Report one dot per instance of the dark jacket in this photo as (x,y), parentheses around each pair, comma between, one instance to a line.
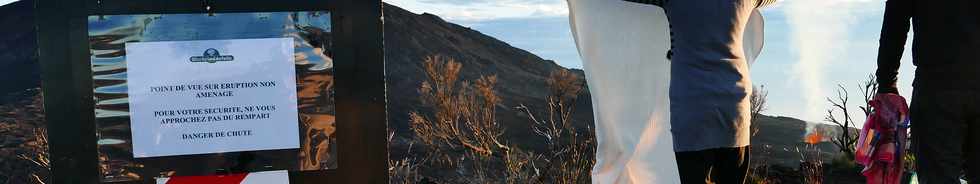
(945,46)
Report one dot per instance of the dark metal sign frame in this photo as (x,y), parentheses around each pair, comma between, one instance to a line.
(359,67)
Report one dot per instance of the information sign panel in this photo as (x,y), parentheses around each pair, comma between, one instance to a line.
(117,114)
(212,96)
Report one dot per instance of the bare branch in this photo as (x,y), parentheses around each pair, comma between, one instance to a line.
(845,140)
(757,103)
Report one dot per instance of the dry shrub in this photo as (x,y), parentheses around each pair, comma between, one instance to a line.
(757,105)
(38,155)
(521,167)
(23,139)
(570,155)
(759,171)
(811,164)
(402,171)
(463,141)
(462,119)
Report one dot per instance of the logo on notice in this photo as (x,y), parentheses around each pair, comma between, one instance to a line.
(211,56)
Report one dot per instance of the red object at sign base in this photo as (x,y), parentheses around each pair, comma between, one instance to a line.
(268,177)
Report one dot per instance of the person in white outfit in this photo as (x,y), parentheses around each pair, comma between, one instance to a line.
(708,79)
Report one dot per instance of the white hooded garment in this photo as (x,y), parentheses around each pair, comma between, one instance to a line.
(623,47)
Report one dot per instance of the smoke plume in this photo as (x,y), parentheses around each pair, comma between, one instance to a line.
(819,36)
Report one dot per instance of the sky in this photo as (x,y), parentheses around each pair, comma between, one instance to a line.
(811,46)
(4,2)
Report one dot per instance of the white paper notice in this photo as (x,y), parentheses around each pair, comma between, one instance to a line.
(198,97)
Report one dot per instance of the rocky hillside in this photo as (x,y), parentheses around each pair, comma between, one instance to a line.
(779,138)
(18,61)
(410,37)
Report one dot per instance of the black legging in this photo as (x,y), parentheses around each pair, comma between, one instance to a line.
(718,165)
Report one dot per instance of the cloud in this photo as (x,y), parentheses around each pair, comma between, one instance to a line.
(483,10)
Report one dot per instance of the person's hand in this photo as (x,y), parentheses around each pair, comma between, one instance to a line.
(890,103)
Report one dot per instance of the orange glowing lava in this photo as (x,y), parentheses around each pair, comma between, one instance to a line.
(813,138)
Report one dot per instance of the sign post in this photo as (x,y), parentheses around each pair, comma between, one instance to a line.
(170,91)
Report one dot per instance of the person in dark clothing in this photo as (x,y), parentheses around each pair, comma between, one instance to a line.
(945,107)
